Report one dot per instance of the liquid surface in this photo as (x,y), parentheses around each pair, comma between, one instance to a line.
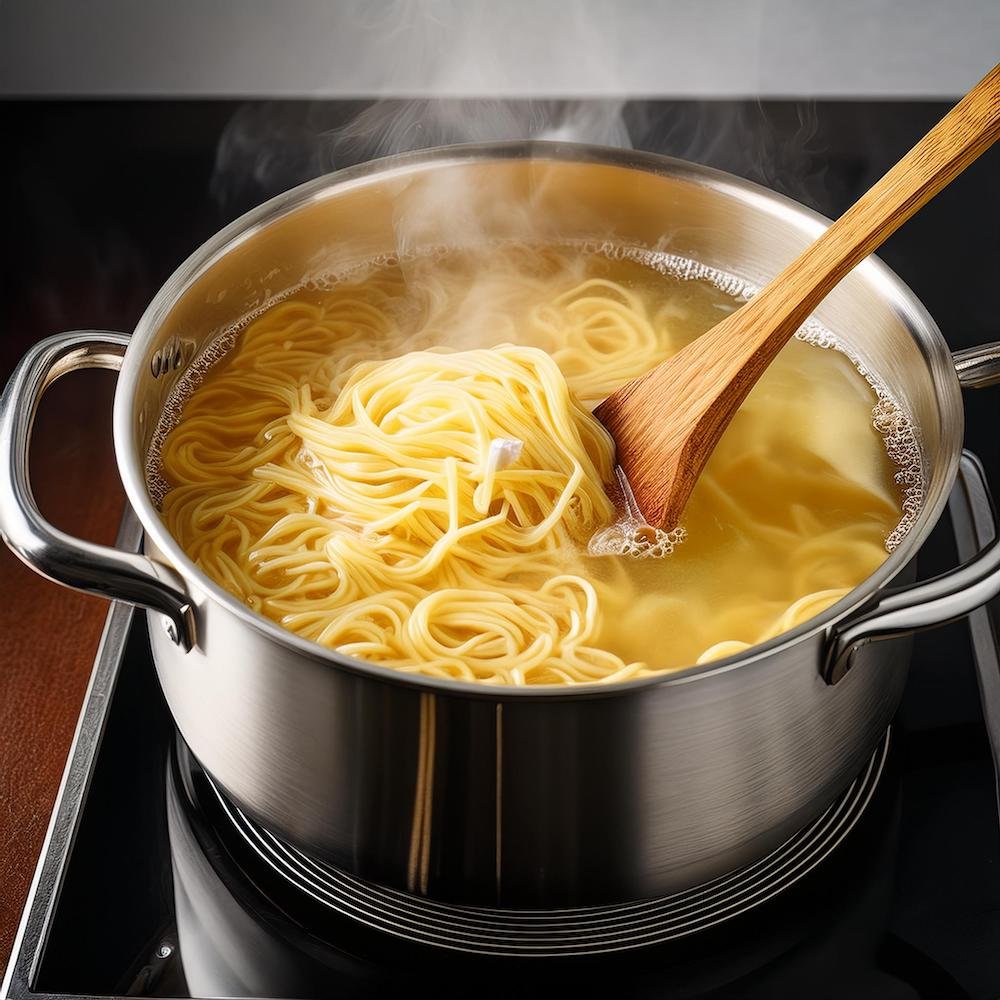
(795,507)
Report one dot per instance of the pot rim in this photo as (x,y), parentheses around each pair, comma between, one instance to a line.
(885,281)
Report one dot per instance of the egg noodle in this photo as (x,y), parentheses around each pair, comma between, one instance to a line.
(431,509)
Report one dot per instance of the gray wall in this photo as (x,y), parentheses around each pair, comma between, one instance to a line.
(291,48)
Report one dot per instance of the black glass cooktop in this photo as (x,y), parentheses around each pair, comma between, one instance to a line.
(146,888)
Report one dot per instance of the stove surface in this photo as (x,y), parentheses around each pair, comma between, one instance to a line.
(144,889)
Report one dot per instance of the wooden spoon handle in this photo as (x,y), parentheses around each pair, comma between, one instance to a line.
(970,128)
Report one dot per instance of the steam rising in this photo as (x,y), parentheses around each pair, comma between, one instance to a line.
(399,126)
(269,147)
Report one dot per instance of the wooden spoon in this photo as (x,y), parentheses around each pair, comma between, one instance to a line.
(667,422)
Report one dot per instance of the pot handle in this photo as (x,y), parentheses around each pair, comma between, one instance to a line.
(978,367)
(96,569)
(944,598)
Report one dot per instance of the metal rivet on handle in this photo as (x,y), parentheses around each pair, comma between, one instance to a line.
(171,629)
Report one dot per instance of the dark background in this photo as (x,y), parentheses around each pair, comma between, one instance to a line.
(105,199)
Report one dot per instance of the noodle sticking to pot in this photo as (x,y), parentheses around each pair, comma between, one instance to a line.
(346,471)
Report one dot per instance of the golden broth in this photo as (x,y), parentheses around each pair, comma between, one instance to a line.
(793,510)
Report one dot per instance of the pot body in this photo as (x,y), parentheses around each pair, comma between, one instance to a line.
(527,802)
(539,798)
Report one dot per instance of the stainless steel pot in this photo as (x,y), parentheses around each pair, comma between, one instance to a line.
(517,797)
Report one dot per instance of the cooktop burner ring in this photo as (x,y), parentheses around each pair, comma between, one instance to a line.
(567,932)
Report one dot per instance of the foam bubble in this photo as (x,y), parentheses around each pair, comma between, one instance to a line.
(631,535)
(899,433)
(213,352)
(901,442)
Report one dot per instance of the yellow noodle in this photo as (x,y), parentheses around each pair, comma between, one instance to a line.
(346,473)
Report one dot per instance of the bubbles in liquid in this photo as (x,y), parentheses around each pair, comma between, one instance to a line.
(898,432)
(900,436)
(674,266)
(630,535)
(190,379)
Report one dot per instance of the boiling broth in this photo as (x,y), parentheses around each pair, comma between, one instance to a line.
(800,502)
